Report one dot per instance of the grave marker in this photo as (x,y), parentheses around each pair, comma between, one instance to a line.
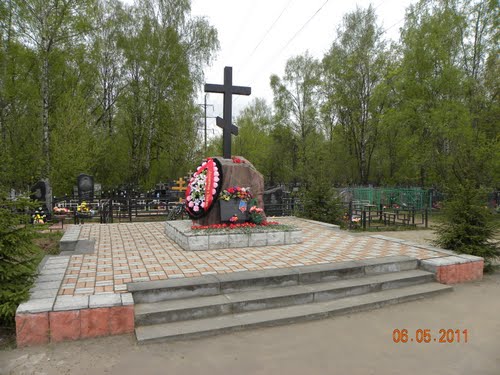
(181,187)
(226,123)
(42,192)
(85,184)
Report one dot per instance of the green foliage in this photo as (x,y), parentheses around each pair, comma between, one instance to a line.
(320,200)
(468,226)
(295,99)
(322,205)
(353,69)
(18,260)
(99,87)
(113,88)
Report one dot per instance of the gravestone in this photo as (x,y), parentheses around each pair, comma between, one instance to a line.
(85,184)
(179,189)
(42,192)
(241,174)
(161,190)
(273,200)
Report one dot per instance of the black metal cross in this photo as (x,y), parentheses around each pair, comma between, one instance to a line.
(226,123)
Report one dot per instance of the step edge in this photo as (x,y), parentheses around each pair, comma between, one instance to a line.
(302,289)
(299,318)
(234,277)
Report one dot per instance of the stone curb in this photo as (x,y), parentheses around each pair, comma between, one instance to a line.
(176,231)
(331,226)
(70,238)
(450,267)
(44,293)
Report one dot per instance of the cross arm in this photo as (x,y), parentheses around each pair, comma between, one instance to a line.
(220,123)
(210,87)
(241,90)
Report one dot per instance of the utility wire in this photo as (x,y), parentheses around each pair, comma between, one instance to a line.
(270,28)
(295,35)
(334,40)
(303,26)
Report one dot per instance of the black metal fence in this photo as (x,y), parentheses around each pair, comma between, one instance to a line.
(120,209)
(358,214)
(363,215)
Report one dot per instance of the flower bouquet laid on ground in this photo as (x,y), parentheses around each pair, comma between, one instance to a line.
(61,210)
(39,217)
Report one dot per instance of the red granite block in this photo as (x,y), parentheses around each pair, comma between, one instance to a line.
(448,274)
(468,270)
(477,270)
(95,322)
(121,320)
(64,325)
(459,272)
(32,329)
(453,274)
(441,273)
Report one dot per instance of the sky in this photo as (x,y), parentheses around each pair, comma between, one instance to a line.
(257,37)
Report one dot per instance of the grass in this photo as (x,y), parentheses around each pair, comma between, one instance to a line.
(47,242)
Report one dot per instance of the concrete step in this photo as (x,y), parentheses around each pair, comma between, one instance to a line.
(284,315)
(162,290)
(251,300)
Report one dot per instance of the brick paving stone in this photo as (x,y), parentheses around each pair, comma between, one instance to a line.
(127,252)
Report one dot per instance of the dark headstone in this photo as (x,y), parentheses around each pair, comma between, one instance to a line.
(85,185)
(274,196)
(274,200)
(42,192)
(39,191)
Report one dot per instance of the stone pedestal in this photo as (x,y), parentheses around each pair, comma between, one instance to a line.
(241,174)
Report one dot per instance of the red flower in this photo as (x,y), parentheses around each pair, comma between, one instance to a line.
(234,225)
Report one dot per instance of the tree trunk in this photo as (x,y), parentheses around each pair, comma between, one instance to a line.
(45,115)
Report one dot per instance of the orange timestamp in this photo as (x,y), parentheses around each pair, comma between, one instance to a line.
(426,336)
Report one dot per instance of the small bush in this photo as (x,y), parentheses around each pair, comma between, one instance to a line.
(321,203)
(18,260)
(468,226)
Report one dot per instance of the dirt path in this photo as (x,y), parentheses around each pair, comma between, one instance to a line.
(359,343)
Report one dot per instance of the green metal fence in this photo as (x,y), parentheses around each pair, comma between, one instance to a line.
(416,198)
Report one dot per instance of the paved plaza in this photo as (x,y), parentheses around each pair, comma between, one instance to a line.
(135,252)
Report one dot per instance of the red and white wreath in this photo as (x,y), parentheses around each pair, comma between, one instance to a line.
(203,188)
